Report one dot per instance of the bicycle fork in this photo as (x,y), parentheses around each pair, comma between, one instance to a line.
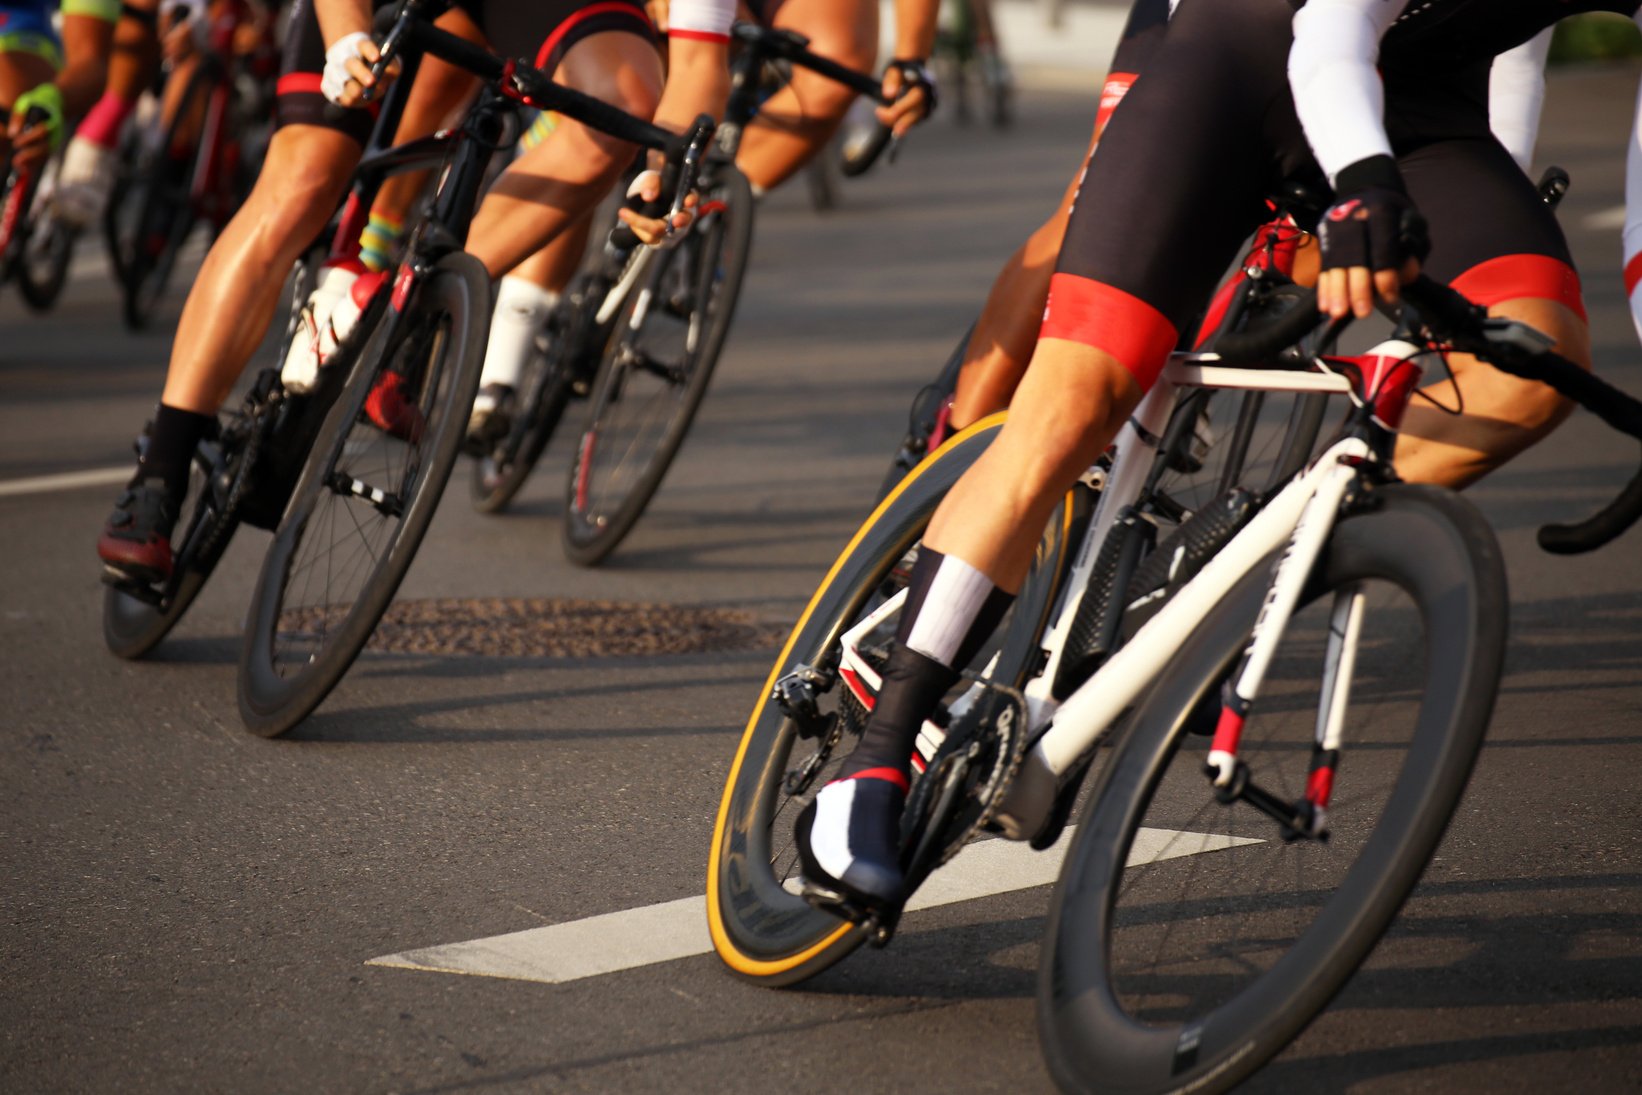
(1230,776)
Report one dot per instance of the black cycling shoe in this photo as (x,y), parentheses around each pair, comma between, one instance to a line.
(848,841)
(136,539)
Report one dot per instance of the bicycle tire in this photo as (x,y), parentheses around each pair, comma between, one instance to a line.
(498,475)
(167,215)
(448,316)
(115,242)
(1441,554)
(133,627)
(41,277)
(926,405)
(601,509)
(761,931)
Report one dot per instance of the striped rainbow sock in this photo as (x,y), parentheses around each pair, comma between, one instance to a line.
(378,240)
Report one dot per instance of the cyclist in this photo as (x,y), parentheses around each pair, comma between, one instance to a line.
(91,160)
(1386,102)
(87,175)
(791,128)
(605,48)
(59,77)
(1007,329)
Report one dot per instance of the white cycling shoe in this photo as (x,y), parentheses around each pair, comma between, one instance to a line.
(85,182)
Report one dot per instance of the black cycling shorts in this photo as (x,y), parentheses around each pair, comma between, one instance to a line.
(1184,170)
(543,30)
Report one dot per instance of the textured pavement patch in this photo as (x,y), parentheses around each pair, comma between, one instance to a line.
(556,627)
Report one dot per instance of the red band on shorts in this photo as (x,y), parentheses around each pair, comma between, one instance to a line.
(1511,277)
(297,83)
(609,7)
(1116,87)
(1633,273)
(1112,321)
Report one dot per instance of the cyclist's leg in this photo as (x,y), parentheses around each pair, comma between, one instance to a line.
(441,90)
(1172,211)
(1002,342)
(523,300)
(554,185)
(88,172)
(30,55)
(798,121)
(1497,242)
(310,159)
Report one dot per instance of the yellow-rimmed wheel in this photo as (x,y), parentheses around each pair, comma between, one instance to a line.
(761,927)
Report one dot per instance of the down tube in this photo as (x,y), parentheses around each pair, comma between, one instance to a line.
(1087,713)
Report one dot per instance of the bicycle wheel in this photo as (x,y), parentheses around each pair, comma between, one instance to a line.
(42,268)
(133,625)
(1221,940)
(500,472)
(165,210)
(923,415)
(364,498)
(655,371)
(760,927)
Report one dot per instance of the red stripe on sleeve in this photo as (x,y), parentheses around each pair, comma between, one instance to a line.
(1633,273)
(698,36)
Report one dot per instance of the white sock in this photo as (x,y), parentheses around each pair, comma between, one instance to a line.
(521,308)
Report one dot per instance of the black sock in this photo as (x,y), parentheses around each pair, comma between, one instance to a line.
(170,450)
(913,681)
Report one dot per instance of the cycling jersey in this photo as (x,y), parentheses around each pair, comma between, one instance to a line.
(542,29)
(1214,128)
(25,25)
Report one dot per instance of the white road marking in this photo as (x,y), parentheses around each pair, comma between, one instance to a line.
(1606,220)
(678,929)
(43,484)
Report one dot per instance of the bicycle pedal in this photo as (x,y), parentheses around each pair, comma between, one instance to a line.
(132,587)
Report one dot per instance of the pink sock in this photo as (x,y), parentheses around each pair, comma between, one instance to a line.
(102,123)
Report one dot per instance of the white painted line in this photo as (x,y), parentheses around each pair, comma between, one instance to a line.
(44,484)
(678,929)
(1606,220)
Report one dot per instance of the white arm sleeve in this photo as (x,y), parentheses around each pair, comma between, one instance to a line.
(1337,90)
(1516,92)
(701,18)
(1633,213)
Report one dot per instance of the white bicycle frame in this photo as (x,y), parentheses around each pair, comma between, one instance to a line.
(1298,520)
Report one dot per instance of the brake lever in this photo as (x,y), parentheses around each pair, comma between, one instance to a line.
(1515,335)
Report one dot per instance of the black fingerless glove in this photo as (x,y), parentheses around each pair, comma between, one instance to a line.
(1372,222)
(915,72)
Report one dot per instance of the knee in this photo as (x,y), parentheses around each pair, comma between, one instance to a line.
(822,101)
(294,197)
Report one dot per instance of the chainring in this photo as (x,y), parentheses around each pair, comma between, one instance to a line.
(965,779)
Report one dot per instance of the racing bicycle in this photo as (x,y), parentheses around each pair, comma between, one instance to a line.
(1292,674)
(348,475)
(640,332)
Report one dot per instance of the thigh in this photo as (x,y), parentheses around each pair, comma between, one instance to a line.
(297,98)
(552,28)
(1492,237)
(30,51)
(1182,170)
(842,30)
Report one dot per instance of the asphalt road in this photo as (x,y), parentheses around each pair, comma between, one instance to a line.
(188,907)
